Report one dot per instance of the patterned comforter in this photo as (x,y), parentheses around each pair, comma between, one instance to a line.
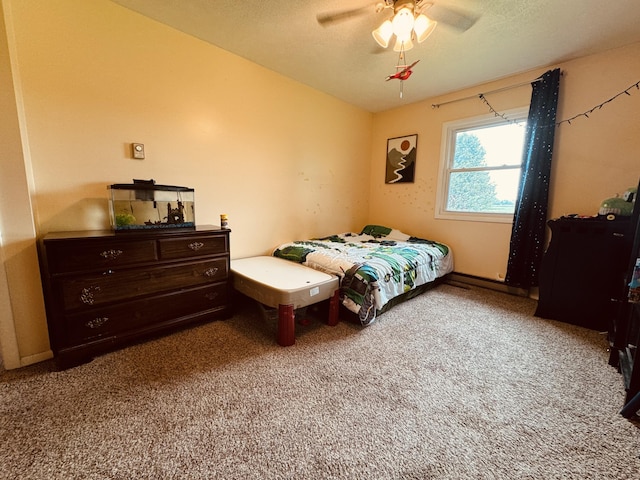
(375,265)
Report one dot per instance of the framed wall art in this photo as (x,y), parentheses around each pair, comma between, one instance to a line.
(401,159)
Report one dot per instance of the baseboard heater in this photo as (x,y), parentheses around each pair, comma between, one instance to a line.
(456,279)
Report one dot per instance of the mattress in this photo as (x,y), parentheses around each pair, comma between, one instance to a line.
(375,265)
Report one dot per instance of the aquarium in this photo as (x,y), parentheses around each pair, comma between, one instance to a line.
(144,205)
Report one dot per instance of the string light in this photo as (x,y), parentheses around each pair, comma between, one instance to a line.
(497,114)
(568,120)
(598,107)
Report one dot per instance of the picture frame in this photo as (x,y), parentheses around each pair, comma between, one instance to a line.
(401,159)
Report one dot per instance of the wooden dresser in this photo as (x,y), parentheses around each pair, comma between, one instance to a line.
(104,290)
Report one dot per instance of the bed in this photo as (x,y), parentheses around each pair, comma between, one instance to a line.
(378,267)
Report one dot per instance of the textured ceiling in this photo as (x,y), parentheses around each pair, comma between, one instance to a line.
(343,60)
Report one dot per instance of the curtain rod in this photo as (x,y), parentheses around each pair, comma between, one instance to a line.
(517,85)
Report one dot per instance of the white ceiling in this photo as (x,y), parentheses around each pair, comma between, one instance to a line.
(343,60)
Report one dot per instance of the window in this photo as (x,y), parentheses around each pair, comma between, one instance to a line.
(480,167)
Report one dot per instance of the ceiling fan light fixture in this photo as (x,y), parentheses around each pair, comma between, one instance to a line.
(403,22)
(423,26)
(383,33)
(403,45)
(406,25)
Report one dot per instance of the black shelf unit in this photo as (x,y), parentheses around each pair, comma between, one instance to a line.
(624,335)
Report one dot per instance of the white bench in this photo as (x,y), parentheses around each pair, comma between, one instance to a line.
(285,285)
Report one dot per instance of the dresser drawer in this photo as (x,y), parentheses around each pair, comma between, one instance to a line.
(117,285)
(85,255)
(186,247)
(149,312)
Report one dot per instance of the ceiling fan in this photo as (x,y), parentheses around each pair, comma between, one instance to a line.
(411,20)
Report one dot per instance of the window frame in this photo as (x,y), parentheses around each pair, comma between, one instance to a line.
(447,152)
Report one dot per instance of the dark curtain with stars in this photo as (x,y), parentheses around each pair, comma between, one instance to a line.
(527,234)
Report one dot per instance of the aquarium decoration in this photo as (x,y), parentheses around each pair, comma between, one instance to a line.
(143,205)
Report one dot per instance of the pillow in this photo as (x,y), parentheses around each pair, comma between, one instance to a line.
(376,231)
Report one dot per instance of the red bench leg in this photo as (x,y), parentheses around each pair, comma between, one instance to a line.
(286,325)
(334,308)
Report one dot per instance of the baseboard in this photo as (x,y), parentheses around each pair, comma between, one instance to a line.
(465,279)
(37,358)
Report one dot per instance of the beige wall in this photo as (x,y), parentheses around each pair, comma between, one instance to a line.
(26,341)
(97,76)
(594,158)
(282,160)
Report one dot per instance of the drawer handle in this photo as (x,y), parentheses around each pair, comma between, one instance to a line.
(111,254)
(195,246)
(211,295)
(210,272)
(97,322)
(87,297)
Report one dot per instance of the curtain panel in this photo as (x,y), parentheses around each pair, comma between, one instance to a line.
(528,231)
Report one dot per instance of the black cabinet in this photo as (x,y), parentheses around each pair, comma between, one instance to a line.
(582,271)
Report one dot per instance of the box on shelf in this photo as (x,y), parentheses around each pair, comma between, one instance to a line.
(143,205)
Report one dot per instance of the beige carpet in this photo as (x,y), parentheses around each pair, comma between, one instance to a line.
(455,384)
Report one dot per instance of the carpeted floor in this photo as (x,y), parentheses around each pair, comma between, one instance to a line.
(454,384)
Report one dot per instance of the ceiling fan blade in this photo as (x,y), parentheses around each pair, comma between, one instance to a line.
(326,19)
(453,17)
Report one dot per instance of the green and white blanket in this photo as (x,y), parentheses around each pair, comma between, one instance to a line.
(374,266)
